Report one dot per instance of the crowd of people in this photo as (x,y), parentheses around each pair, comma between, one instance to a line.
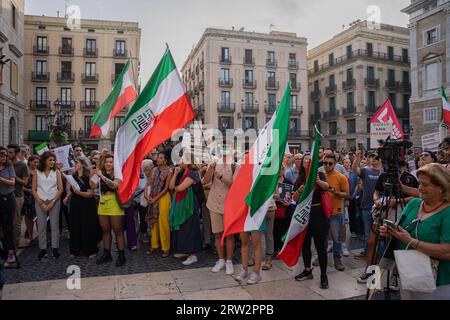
(179,208)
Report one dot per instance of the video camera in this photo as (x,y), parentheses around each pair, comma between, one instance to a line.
(391,153)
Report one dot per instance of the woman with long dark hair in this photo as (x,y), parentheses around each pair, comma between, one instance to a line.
(83,212)
(28,209)
(47,188)
(110,214)
(318,225)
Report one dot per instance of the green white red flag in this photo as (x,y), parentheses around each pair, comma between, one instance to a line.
(162,108)
(122,94)
(445,116)
(250,195)
(293,242)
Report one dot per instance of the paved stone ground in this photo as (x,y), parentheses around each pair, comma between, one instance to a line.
(137,262)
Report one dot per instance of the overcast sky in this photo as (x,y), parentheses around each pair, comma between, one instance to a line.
(182,22)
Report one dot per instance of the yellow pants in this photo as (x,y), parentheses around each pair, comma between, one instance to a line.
(161,230)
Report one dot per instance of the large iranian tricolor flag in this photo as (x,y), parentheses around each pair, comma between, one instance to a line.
(122,94)
(445,115)
(162,108)
(295,236)
(250,195)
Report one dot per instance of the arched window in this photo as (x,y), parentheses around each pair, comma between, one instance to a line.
(12,131)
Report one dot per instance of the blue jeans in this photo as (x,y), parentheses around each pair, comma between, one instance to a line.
(336,223)
(367,219)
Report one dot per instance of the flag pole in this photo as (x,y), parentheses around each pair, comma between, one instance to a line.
(132,68)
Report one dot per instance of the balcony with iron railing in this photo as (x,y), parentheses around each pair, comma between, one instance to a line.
(66,77)
(249,62)
(297,133)
(349,111)
(66,51)
(197,69)
(201,85)
(41,50)
(120,54)
(361,54)
(296,110)
(40,76)
(250,107)
(315,94)
(349,84)
(404,87)
(89,78)
(202,64)
(372,83)
(391,85)
(295,86)
(40,105)
(89,105)
(315,117)
(293,64)
(402,112)
(112,135)
(90,52)
(270,109)
(226,107)
(271,63)
(38,135)
(272,85)
(226,83)
(332,114)
(225,59)
(66,105)
(249,84)
(331,89)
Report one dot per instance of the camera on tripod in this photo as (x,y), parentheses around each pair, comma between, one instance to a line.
(391,154)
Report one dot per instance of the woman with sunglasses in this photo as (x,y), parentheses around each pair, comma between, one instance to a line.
(425,226)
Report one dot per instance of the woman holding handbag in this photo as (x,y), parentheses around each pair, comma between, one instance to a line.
(318,224)
(424,225)
(111,215)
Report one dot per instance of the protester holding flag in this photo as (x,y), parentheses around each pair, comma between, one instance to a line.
(221,176)
(83,212)
(47,188)
(318,225)
(185,213)
(111,215)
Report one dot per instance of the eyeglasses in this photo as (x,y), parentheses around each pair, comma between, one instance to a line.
(328,163)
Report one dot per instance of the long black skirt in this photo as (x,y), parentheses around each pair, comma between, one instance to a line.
(84,227)
(188,239)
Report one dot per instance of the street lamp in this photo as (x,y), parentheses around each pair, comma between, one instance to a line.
(58,123)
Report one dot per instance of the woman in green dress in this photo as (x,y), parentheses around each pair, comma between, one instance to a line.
(425,226)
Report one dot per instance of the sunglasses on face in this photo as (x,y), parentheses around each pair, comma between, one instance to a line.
(328,163)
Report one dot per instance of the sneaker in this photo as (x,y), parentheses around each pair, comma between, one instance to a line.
(42,255)
(394,283)
(345,251)
(361,256)
(229,268)
(254,278)
(363,277)
(330,247)
(190,260)
(220,265)
(55,253)
(180,255)
(354,235)
(338,265)
(305,275)
(323,281)
(316,262)
(134,248)
(241,275)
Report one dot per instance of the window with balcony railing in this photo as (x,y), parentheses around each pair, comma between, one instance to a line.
(351,126)
(332,128)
